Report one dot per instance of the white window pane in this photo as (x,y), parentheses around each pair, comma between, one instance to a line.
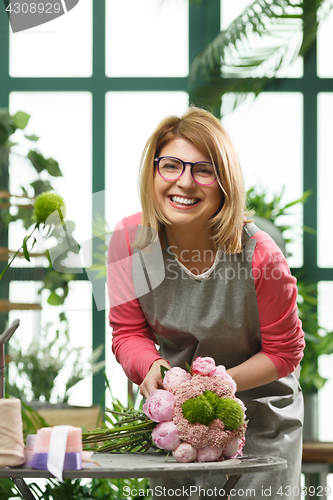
(62,47)
(40,326)
(267,133)
(230,10)
(146,38)
(131,118)
(325,177)
(324,48)
(63,123)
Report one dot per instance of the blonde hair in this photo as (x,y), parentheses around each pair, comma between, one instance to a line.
(205,131)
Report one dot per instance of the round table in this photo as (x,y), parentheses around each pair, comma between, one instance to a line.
(130,465)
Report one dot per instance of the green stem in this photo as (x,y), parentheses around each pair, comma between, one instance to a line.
(149,425)
(15,255)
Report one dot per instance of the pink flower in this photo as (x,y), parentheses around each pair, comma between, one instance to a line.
(165,435)
(222,373)
(203,366)
(174,377)
(209,454)
(159,407)
(230,451)
(184,453)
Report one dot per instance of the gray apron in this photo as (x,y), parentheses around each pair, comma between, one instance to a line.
(218,317)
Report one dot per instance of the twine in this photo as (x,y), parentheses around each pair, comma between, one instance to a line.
(11,433)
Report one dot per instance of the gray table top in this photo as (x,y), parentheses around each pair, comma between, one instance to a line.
(130,465)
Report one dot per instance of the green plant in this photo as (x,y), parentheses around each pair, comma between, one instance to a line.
(20,158)
(52,356)
(243,58)
(45,206)
(75,489)
(318,340)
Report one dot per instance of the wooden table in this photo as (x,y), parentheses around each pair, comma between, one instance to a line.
(130,465)
(317,463)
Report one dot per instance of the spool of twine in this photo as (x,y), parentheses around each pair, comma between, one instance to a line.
(11,433)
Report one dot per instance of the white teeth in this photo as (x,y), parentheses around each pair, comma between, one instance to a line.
(184,201)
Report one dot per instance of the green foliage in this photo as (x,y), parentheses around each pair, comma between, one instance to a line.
(125,429)
(272,209)
(8,489)
(47,359)
(31,420)
(319,341)
(75,489)
(9,124)
(265,38)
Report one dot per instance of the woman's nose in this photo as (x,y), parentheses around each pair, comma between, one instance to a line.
(186,180)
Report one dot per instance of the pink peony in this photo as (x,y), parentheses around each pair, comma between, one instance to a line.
(159,407)
(174,377)
(222,373)
(242,405)
(165,435)
(203,366)
(231,450)
(184,453)
(209,454)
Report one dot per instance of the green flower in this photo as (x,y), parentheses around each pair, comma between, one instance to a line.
(231,413)
(49,204)
(201,409)
(208,406)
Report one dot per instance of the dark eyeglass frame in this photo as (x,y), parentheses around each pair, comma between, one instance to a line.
(158,159)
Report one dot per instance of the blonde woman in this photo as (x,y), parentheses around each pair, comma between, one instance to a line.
(227,290)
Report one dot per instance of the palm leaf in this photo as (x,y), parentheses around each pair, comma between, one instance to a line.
(268,36)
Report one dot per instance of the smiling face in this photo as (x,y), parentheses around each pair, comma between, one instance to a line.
(183,201)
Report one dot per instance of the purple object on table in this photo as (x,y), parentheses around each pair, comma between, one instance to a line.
(73,461)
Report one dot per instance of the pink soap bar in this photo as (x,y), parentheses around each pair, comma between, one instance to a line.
(74,440)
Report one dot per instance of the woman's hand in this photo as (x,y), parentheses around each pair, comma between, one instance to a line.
(153,379)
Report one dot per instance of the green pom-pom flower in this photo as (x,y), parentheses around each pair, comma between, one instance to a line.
(202,409)
(231,413)
(208,406)
(49,204)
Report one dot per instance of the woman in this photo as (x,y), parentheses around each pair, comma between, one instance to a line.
(227,291)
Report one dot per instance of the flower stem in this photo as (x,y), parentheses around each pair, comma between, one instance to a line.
(15,255)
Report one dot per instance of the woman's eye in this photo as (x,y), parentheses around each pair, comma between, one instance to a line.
(171,166)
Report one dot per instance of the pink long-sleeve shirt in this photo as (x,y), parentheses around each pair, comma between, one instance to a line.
(282,338)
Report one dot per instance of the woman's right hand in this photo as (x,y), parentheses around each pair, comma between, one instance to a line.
(153,379)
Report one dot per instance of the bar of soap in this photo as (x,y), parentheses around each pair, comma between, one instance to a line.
(73,445)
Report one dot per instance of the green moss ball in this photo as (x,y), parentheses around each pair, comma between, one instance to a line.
(231,413)
(202,409)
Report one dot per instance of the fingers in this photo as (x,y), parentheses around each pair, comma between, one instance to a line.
(153,380)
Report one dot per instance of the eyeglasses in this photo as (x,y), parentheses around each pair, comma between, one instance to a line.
(171,168)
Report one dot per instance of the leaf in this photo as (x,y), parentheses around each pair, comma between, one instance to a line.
(264,38)
(25,249)
(41,186)
(188,367)
(32,138)
(54,299)
(21,119)
(164,369)
(52,167)
(38,161)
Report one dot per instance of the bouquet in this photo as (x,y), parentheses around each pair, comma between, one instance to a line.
(196,416)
